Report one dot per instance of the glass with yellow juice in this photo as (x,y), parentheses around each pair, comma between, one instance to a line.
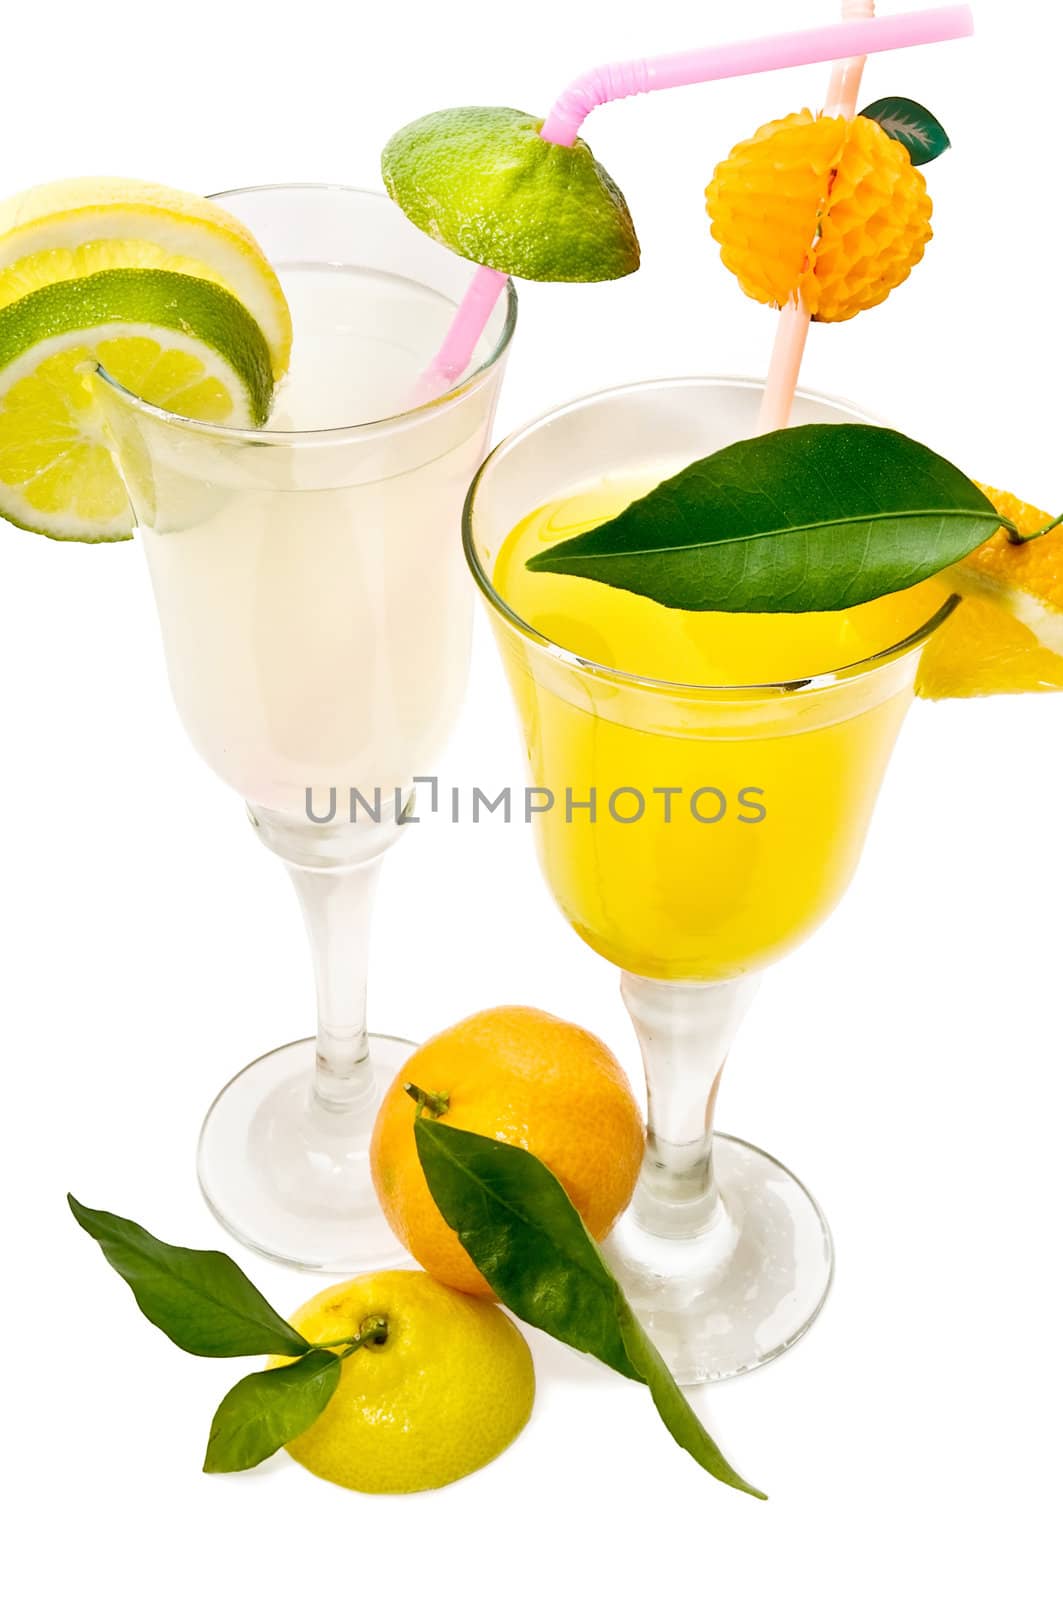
(696,834)
(702,783)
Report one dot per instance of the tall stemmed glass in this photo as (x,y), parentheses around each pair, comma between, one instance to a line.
(315,615)
(723,1253)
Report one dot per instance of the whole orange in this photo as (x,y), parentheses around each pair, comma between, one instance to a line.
(529,1079)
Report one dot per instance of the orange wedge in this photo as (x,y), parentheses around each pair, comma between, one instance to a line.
(1007,636)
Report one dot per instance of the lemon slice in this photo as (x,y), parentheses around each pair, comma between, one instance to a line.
(179,342)
(81,226)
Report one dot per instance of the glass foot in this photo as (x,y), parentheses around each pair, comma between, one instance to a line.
(742,1291)
(289,1176)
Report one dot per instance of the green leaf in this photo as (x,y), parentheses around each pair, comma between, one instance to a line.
(522,1231)
(480,180)
(676,1413)
(910,124)
(526,1237)
(267,1409)
(199,1298)
(816,518)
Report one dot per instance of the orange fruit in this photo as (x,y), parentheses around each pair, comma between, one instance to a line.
(1007,636)
(824,208)
(529,1079)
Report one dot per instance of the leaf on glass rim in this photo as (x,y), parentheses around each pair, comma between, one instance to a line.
(910,124)
(199,1298)
(816,518)
(523,1232)
(267,1409)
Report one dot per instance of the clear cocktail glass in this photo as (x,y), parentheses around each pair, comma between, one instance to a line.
(315,615)
(728,819)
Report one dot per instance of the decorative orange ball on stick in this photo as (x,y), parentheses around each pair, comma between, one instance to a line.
(825,209)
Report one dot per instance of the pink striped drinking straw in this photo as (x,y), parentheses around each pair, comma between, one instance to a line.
(837,41)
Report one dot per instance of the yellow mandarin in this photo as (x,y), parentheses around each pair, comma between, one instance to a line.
(448,1389)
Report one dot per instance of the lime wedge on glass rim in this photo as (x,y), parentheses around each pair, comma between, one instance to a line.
(481,181)
(177,341)
(75,227)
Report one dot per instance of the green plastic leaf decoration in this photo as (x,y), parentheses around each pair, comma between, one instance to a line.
(199,1298)
(816,518)
(912,125)
(481,181)
(522,1231)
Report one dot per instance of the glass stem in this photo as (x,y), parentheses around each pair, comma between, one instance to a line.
(337,907)
(334,869)
(685,1031)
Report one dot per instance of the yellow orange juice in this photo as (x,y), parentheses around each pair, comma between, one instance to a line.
(691,828)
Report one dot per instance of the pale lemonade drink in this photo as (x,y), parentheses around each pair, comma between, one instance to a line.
(319,638)
(787,778)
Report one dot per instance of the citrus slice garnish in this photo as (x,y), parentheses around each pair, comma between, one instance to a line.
(823,208)
(179,342)
(80,226)
(1007,636)
(481,181)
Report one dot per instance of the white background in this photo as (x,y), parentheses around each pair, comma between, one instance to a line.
(906,1062)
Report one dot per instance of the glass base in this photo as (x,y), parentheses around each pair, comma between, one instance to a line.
(745,1289)
(289,1176)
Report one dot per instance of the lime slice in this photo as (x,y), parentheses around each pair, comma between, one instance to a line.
(176,341)
(82,226)
(481,181)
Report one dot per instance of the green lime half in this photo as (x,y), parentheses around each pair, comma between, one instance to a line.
(179,342)
(481,181)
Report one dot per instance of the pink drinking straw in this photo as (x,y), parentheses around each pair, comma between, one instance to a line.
(795,319)
(839,41)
